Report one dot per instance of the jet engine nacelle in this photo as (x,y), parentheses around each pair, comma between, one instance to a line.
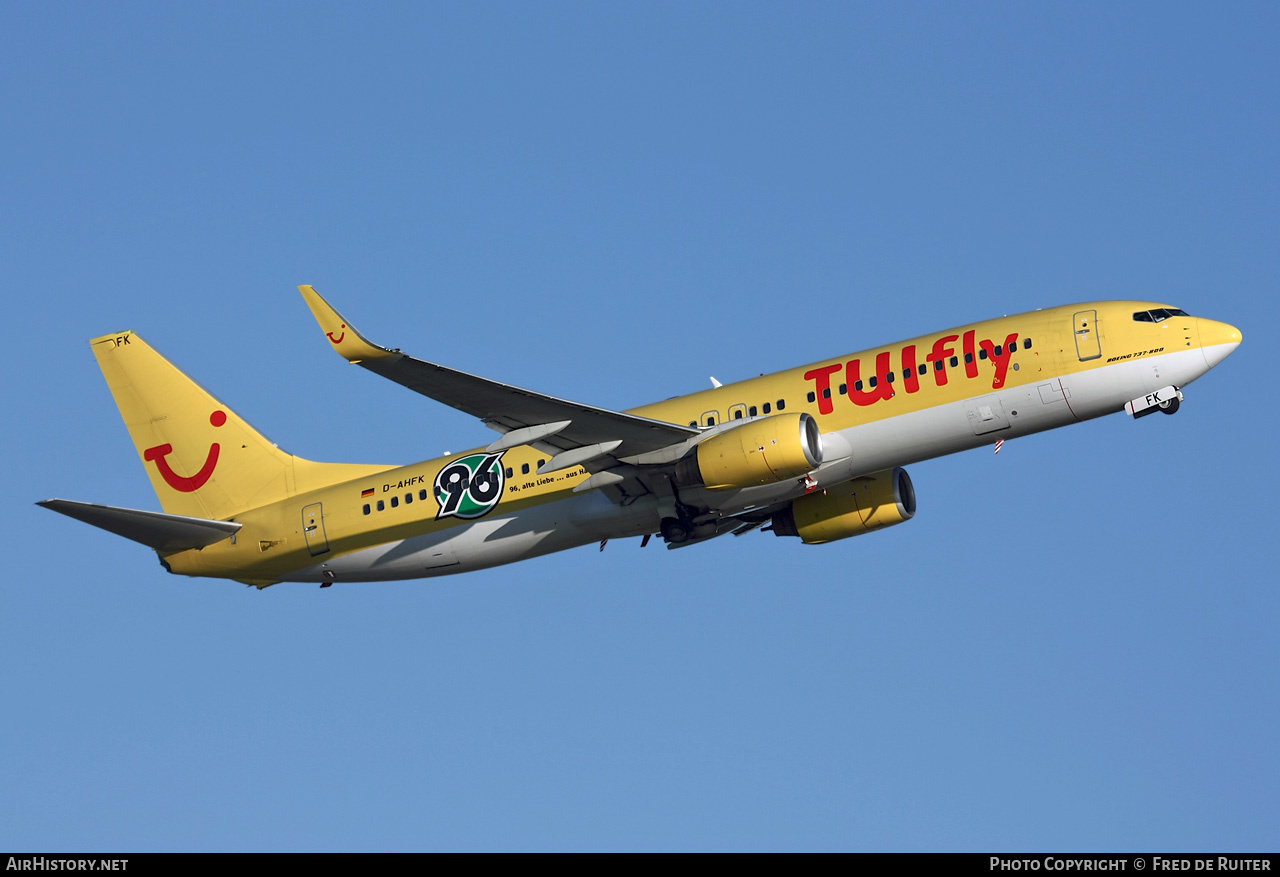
(852,508)
(763,451)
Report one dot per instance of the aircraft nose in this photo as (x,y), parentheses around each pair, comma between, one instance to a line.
(1218,341)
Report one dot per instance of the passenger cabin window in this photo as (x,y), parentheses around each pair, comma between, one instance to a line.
(524,468)
(767,408)
(844,389)
(782,403)
(1026,343)
(408,498)
(737,415)
(395,501)
(366,508)
(811,396)
(381,505)
(422,494)
(510,473)
(751,412)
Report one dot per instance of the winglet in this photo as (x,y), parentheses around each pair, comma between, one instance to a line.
(353,346)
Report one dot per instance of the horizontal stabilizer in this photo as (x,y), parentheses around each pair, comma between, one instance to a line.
(165,533)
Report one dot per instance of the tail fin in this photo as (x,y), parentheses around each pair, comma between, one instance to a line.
(203,459)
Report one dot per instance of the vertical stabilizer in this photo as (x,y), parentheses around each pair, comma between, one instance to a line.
(202,458)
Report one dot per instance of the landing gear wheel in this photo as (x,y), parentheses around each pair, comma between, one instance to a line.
(1170,406)
(675,530)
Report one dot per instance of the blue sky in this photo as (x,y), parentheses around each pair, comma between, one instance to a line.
(1071,647)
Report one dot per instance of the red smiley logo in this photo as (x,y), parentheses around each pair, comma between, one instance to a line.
(338,340)
(186,484)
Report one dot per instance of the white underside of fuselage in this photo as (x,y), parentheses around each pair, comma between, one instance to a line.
(859,450)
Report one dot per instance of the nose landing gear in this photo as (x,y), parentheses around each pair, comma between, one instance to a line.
(1166,399)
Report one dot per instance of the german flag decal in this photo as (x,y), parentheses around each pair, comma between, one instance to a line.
(366,492)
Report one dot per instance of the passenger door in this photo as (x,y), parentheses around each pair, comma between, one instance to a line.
(1088,342)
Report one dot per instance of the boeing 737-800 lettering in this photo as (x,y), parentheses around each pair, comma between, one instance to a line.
(814,452)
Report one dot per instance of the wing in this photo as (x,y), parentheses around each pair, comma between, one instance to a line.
(574,433)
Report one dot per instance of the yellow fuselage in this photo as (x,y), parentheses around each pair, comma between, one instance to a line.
(1045,361)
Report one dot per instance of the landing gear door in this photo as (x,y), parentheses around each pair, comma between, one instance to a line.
(1088,344)
(313,529)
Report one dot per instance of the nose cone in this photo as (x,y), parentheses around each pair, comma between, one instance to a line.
(1218,341)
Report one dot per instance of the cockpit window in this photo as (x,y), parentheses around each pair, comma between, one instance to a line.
(1159,315)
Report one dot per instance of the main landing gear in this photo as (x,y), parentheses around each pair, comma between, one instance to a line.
(1170,406)
(676,530)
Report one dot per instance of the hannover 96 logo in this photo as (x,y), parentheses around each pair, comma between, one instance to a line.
(470,486)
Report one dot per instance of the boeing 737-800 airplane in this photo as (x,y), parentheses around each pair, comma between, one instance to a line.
(814,452)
